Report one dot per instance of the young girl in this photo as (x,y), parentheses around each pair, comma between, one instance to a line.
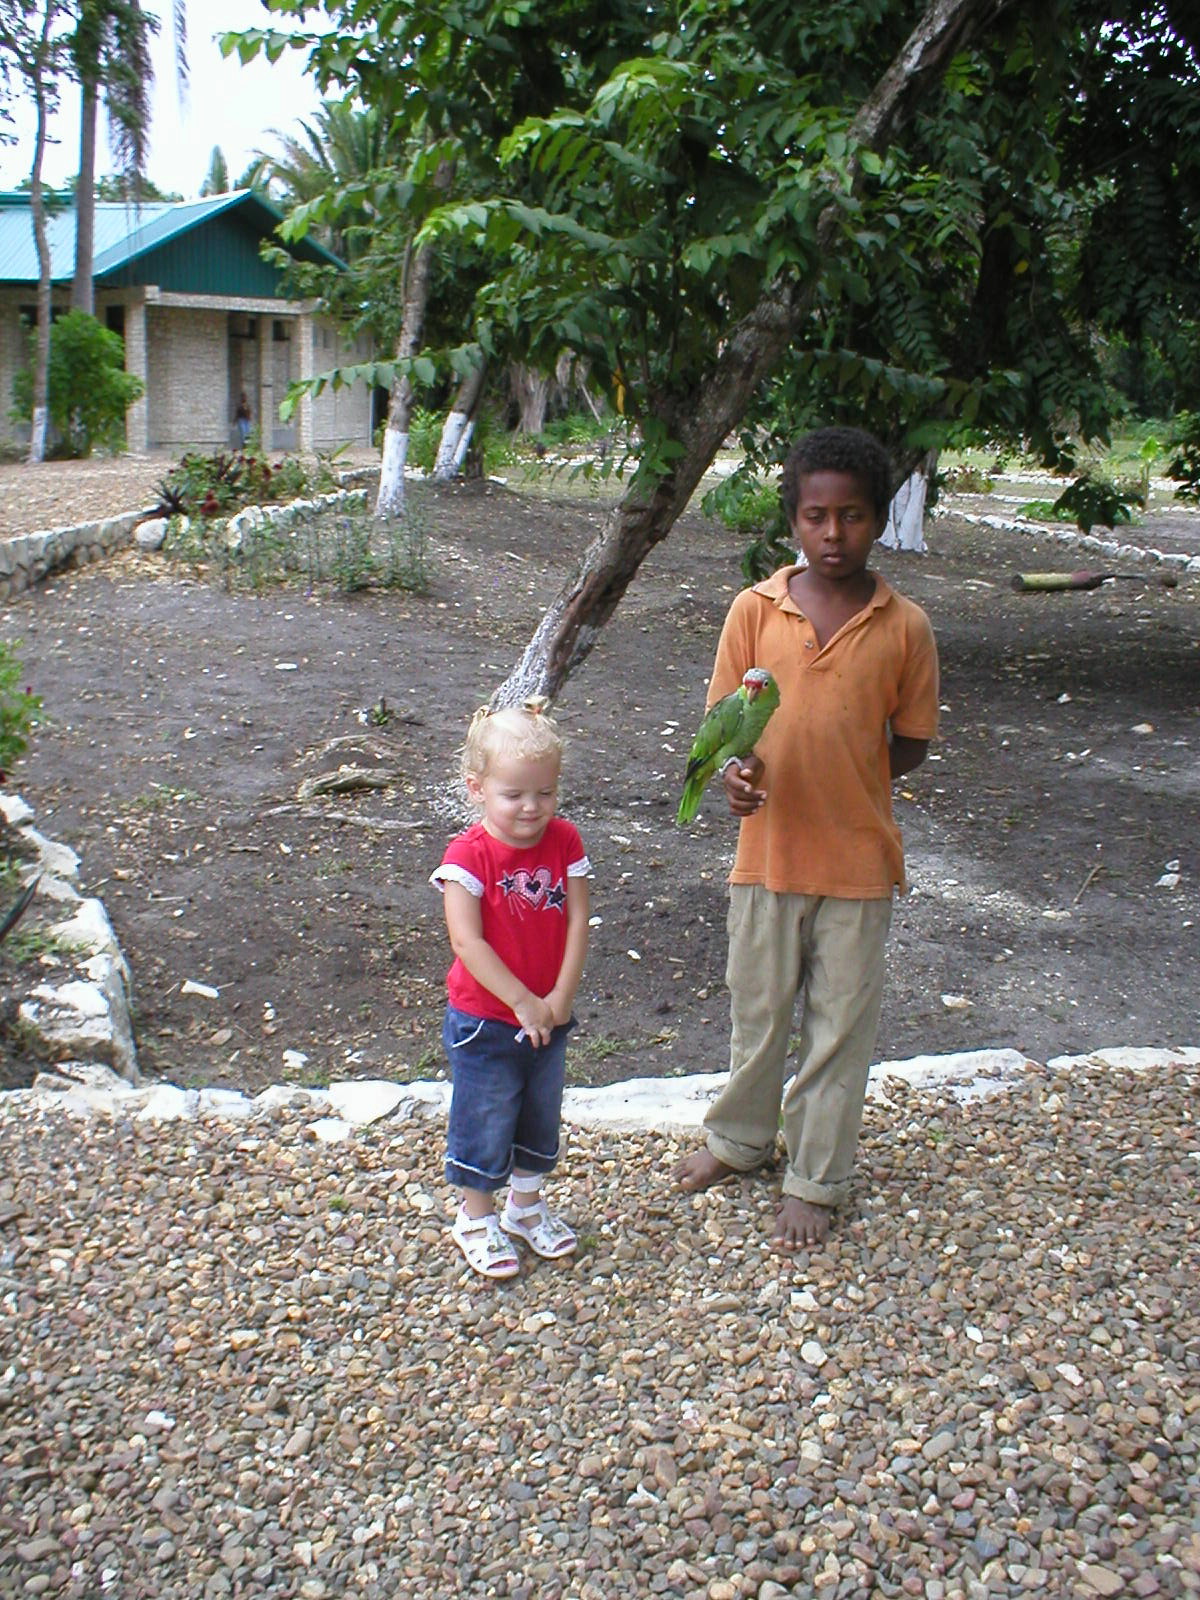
(515,891)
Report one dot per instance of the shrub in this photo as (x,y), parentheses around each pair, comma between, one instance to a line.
(1184,445)
(424,436)
(575,428)
(966,479)
(747,505)
(218,485)
(348,549)
(1091,500)
(20,709)
(89,389)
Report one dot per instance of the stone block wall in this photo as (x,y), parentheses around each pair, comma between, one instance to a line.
(341,416)
(187,358)
(27,559)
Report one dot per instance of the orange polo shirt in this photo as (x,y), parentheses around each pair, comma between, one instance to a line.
(826,827)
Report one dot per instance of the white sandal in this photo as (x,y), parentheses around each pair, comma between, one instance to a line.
(546,1234)
(484,1245)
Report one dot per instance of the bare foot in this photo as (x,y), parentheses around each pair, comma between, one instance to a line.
(701,1170)
(800,1224)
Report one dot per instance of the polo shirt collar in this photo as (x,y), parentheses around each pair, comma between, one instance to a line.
(775,589)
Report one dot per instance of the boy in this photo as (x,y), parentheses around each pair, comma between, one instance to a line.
(818,853)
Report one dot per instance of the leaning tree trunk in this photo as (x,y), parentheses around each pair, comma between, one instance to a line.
(460,424)
(699,422)
(82,291)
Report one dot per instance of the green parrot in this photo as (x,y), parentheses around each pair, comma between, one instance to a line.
(730,728)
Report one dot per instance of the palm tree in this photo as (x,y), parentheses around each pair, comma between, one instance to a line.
(341,145)
(110,49)
(217,181)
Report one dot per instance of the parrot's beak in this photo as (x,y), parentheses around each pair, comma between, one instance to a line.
(753,690)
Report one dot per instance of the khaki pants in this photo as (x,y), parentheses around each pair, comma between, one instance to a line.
(830,953)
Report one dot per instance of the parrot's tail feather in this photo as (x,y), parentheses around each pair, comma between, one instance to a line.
(690,803)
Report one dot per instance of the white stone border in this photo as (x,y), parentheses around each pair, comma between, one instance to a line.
(664,1105)
(85,1013)
(1116,548)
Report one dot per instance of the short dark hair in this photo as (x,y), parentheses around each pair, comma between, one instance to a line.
(850,450)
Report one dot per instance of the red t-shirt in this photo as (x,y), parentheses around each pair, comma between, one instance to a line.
(522,896)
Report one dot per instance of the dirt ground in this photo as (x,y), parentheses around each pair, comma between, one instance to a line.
(186,719)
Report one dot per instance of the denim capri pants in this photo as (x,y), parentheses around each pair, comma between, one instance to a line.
(506,1105)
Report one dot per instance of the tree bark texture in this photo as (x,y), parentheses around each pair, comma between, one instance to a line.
(531,391)
(83,296)
(41,363)
(700,422)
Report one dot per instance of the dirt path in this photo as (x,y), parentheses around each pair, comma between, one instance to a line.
(186,719)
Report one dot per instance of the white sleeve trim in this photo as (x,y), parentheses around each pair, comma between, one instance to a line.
(579,869)
(449,872)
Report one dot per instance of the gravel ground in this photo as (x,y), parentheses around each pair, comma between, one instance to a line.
(239,1362)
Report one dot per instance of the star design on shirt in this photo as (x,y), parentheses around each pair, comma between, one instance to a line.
(556,898)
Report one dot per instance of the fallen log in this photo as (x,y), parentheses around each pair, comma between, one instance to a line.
(1052,582)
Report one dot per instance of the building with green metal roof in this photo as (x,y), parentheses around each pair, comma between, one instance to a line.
(204,318)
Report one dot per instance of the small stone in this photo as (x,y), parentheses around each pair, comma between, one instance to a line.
(938,1446)
(1101,1580)
(42,1549)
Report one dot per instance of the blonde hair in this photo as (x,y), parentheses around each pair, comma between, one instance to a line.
(514,733)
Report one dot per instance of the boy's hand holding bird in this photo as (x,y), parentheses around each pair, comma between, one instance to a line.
(729,731)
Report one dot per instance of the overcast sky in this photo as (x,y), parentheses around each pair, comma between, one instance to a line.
(224,104)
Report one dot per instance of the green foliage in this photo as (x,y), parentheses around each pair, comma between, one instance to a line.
(90,391)
(217,181)
(966,479)
(1092,500)
(749,505)
(31,944)
(424,436)
(217,485)
(348,550)
(20,708)
(1184,445)
(636,183)
(574,428)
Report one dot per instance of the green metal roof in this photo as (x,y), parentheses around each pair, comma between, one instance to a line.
(194,246)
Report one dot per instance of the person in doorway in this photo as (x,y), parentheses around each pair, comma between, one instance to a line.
(243,420)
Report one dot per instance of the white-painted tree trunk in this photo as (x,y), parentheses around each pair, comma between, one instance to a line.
(464,444)
(38,429)
(453,429)
(459,424)
(391,472)
(389,502)
(906,515)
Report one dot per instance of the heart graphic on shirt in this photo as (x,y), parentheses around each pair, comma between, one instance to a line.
(531,886)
